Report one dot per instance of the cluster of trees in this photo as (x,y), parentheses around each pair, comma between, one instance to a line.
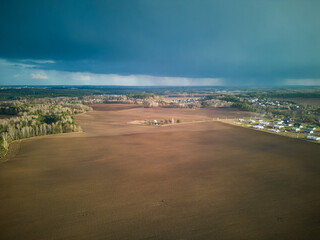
(311,92)
(36,120)
(99,99)
(193,105)
(16,93)
(230,98)
(220,101)
(145,99)
(243,106)
(142,96)
(315,93)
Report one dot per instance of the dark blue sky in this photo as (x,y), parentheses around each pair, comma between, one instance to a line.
(229,42)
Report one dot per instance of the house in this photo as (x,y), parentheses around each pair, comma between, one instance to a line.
(313,138)
(310,127)
(278,126)
(286,122)
(273,130)
(155,122)
(258,127)
(251,121)
(241,119)
(308,130)
(297,125)
(295,129)
(264,123)
(254,100)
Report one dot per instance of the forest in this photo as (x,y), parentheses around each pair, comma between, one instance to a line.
(30,118)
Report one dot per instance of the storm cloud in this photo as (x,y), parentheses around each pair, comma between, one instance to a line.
(247,42)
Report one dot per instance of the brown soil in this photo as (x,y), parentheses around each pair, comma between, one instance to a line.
(190,181)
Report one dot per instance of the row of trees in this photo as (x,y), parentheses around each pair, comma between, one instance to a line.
(243,106)
(37,120)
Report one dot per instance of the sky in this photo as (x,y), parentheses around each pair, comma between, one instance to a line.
(160,42)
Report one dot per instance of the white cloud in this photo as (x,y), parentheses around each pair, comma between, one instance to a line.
(125,80)
(303,82)
(26,73)
(39,61)
(81,76)
(39,76)
(143,80)
(15,65)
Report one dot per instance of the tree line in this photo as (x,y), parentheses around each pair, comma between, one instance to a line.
(37,119)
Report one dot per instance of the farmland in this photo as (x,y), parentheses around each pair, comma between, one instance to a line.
(159,120)
(202,180)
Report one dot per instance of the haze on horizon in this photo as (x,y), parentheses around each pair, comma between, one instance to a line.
(141,42)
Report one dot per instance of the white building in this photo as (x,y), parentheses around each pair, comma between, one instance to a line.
(295,129)
(313,138)
(273,130)
(310,127)
(308,130)
(258,127)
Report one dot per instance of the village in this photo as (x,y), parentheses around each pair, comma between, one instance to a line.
(275,103)
(287,127)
